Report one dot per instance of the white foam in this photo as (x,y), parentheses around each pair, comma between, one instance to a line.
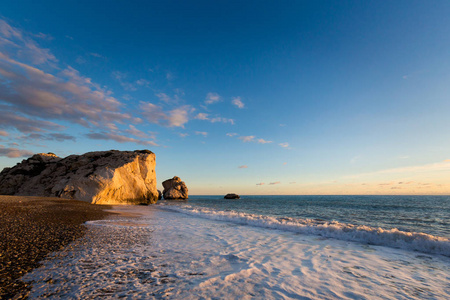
(395,238)
(179,256)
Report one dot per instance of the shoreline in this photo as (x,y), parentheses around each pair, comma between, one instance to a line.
(33,227)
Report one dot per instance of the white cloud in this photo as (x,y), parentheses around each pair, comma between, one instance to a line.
(173,118)
(231,134)
(246,139)
(262,141)
(243,167)
(183,135)
(212,98)
(238,102)
(284,145)
(201,116)
(136,132)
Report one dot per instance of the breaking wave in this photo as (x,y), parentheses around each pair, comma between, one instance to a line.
(394,238)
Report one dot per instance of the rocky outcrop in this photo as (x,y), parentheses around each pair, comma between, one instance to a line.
(105,177)
(175,189)
(232,196)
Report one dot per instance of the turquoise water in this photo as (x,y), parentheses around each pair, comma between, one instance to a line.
(426,214)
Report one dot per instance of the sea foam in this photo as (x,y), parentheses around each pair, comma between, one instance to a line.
(394,237)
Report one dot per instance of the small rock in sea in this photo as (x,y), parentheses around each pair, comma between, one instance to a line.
(175,189)
(232,196)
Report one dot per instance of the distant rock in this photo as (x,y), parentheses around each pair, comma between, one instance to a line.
(104,177)
(175,189)
(232,196)
(159,195)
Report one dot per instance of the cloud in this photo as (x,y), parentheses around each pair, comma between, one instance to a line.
(60,137)
(247,139)
(25,124)
(21,45)
(237,101)
(96,55)
(183,135)
(243,167)
(118,138)
(167,99)
(67,96)
(201,133)
(14,152)
(3,133)
(136,132)
(212,98)
(231,134)
(262,141)
(201,116)
(205,117)
(284,145)
(173,118)
(261,183)
(276,182)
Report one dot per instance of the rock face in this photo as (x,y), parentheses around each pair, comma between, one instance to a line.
(105,177)
(175,189)
(232,196)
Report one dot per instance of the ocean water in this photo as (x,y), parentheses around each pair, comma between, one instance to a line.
(290,247)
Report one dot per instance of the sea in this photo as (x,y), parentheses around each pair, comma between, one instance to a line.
(259,247)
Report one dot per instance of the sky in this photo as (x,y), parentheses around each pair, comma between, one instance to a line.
(247,97)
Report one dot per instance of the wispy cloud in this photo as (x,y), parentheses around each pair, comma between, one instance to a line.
(174,118)
(60,137)
(222,120)
(118,138)
(243,167)
(276,182)
(3,133)
(231,134)
(212,98)
(201,133)
(247,139)
(263,141)
(201,116)
(261,183)
(14,152)
(284,145)
(237,102)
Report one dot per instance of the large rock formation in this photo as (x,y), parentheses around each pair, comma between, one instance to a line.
(175,189)
(106,177)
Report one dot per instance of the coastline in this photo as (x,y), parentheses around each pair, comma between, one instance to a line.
(31,228)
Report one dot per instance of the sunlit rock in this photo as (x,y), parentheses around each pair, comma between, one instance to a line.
(175,189)
(105,177)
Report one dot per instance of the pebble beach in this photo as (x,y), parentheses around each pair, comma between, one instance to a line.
(33,227)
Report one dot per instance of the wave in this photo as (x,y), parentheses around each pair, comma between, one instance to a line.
(394,238)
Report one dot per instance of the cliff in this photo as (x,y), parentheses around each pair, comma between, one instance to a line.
(104,177)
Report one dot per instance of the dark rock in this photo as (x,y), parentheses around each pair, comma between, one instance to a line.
(232,196)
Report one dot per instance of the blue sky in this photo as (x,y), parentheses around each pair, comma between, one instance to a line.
(252,97)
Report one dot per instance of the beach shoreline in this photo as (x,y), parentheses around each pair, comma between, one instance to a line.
(33,227)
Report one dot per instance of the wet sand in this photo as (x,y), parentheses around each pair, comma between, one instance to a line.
(31,228)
